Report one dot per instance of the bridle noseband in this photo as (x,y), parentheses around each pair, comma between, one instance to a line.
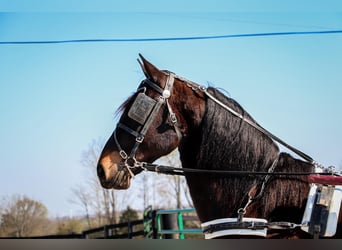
(144,110)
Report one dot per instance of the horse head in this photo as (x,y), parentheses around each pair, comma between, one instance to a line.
(152,124)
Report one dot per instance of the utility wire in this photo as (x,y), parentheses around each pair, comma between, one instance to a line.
(160,39)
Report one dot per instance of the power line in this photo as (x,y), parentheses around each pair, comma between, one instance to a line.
(161,39)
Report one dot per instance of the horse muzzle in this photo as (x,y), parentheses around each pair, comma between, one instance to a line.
(112,175)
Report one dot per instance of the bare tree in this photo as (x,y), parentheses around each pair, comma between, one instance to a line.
(22,217)
(173,190)
(92,197)
(83,198)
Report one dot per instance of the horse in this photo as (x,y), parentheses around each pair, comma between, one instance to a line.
(168,112)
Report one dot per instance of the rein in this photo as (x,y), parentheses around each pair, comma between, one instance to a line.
(162,169)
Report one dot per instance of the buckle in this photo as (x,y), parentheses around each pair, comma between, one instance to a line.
(123,154)
(139,139)
(173,118)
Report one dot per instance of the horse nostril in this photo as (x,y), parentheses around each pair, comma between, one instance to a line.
(100,171)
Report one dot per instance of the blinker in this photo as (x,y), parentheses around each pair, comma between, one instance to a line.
(141,108)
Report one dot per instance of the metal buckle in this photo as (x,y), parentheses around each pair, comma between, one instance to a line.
(123,154)
(139,139)
(202,88)
(130,162)
(173,118)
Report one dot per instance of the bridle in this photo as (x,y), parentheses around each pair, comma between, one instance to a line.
(144,110)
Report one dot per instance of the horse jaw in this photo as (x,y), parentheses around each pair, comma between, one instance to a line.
(111,174)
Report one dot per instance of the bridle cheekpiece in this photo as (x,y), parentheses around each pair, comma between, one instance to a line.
(143,111)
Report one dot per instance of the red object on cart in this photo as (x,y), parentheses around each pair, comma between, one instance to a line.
(325,179)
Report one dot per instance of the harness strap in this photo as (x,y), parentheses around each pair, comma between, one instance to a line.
(152,116)
(181,171)
(153,86)
(174,120)
(267,177)
(252,225)
(129,130)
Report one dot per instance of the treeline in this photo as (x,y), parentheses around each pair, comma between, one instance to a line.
(21,216)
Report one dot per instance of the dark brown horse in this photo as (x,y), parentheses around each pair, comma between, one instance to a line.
(167,112)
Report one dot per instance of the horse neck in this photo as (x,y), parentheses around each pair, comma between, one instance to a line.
(222,141)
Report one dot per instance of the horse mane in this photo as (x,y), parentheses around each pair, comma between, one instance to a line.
(229,143)
(245,147)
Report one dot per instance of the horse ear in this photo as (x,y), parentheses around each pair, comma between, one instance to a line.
(142,66)
(148,68)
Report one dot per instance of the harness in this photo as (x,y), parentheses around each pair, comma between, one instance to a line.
(144,110)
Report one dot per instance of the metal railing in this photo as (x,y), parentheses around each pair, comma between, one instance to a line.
(156,224)
(167,223)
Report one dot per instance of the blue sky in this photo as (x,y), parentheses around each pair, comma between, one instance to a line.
(56,98)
